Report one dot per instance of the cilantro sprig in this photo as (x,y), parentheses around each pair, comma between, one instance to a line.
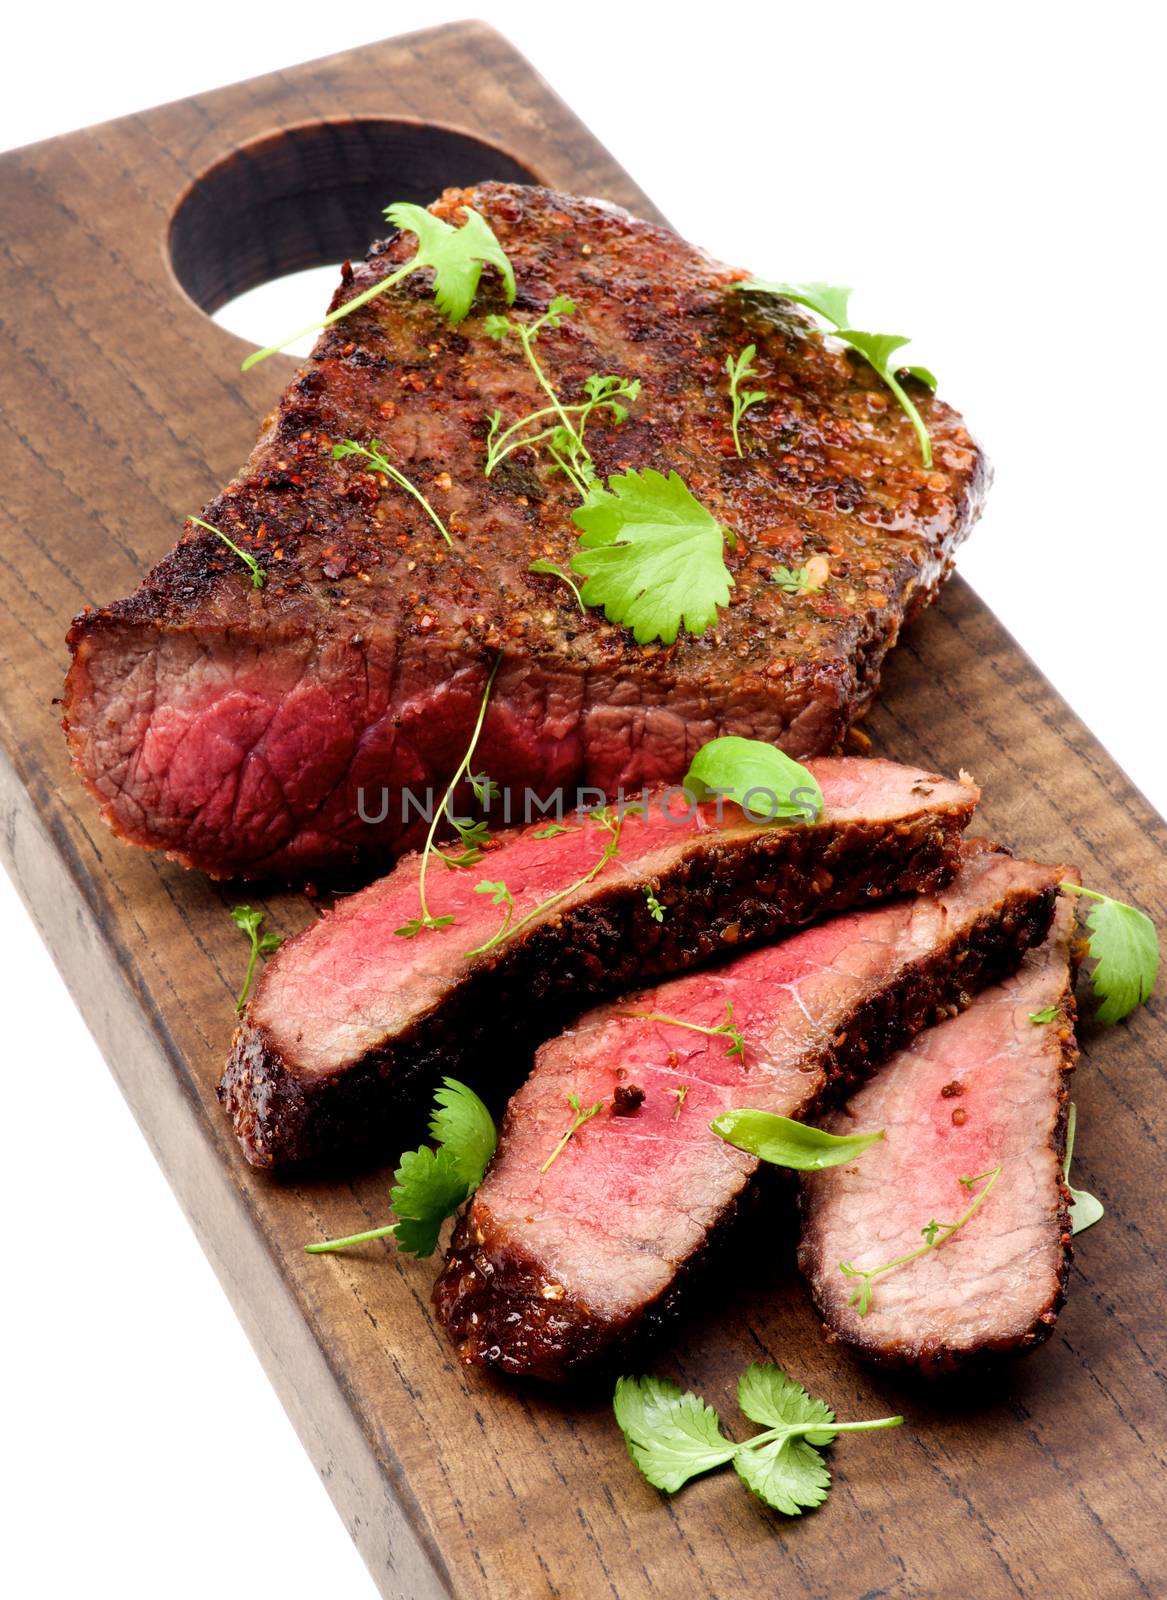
(456,254)
(783,1142)
(935,1234)
(430,1184)
(877,349)
(650,553)
(1086,1208)
(652,556)
(262,944)
(559,427)
(1125,949)
(673,1436)
(501,895)
(764,781)
(580,1116)
(725,1029)
(550,570)
(374,454)
(472,835)
(739,368)
(248,560)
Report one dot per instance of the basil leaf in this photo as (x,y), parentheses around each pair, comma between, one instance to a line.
(786,1143)
(767,783)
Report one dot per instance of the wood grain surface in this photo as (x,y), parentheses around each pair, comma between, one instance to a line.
(124,408)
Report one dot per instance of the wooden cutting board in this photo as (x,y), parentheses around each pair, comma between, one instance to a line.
(123,408)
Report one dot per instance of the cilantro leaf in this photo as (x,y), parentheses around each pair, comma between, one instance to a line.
(250,922)
(876,348)
(1046,1014)
(787,1474)
(652,556)
(823,298)
(768,1396)
(430,1185)
(787,1143)
(794,580)
(429,1188)
(767,784)
(1086,1209)
(1125,949)
(463,1126)
(672,1436)
(457,255)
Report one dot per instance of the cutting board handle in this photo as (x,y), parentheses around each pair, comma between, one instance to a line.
(313,194)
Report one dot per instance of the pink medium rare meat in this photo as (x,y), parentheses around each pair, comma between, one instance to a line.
(983,1090)
(349,1016)
(556,1269)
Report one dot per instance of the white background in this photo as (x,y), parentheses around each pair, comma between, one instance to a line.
(990,179)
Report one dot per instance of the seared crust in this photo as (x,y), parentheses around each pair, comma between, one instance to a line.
(492,1296)
(735,891)
(365,613)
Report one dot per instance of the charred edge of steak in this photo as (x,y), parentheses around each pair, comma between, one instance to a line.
(493,1302)
(936,1358)
(725,898)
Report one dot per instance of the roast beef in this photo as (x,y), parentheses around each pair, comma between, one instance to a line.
(253,730)
(554,1269)
(985,1089)
(350,1014)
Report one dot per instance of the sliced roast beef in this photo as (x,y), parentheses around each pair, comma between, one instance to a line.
(983,1090)
(253,730)
(350,1014)
(562,1259)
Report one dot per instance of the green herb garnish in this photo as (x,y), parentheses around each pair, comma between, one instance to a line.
(502,895)
(580,1118)
(1046,1014)
(652,556)
(559,427)
(249,561)
(724,1029)
(427,920)
(739,769)
(794,580)
(680,1092)
(374,454)
(1125,949)
(457,256)
(876,349)
(673,1436)
(740,368)
(786,1143)
(935,1234)
(1086,1208)
(250,922)
(430,1185)
(552,571)
(655,910)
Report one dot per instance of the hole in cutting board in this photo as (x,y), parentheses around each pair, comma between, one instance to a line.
(257,239)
